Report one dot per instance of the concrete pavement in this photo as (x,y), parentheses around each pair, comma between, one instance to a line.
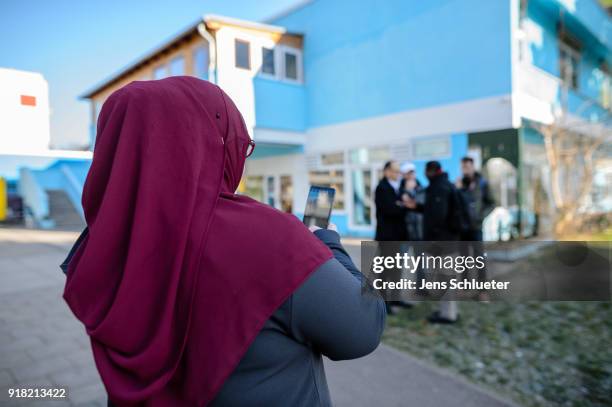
(390,378)
(42,344)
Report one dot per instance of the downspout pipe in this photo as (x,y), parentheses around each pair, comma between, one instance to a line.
(212,51)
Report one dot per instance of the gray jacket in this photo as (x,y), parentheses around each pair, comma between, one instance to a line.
(328,315)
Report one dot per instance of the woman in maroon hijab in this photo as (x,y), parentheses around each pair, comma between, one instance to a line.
(193,295)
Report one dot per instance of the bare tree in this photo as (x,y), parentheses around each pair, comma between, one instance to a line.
(571,146)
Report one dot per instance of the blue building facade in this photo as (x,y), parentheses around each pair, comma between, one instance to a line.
(385,57)
(415,81)
(332,89)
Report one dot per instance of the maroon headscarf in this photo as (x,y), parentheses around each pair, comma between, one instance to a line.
(178,274)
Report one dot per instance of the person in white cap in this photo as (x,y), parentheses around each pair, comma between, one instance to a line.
(412,188)
(407,167)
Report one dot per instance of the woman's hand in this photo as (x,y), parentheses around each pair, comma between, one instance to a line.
(330,226)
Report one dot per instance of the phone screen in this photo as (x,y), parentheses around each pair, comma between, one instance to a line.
(318,206)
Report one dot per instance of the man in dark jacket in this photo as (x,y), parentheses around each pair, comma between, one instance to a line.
(441,210)
(390,222)
(475,190)
(390,210)
(442,220)
(478,203)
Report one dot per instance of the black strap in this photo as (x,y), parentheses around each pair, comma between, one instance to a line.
(64,265)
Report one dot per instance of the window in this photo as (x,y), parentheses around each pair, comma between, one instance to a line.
(200,62)
(369,155)
(177,66)
(291,66)
(267,61)
(569,60)
(281,62)
(243,54)
(431,148)
(333,179)
(332,158)
(160,72)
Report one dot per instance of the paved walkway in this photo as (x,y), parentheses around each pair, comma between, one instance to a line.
(42,344)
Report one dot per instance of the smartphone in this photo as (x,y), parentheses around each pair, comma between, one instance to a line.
(319,206)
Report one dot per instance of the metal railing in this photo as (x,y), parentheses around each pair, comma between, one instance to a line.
(35,199)
(74,188)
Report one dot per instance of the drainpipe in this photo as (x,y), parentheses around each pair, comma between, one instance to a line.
(212,52)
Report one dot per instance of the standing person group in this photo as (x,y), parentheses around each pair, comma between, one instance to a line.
(442,211)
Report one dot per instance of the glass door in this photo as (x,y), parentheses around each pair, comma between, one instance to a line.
(362,197)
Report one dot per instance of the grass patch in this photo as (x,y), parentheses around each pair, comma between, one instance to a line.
(538,354)
(603,236)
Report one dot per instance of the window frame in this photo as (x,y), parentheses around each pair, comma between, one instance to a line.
(175,59)
(418,156)
(284,49)
(249,58)
(161,67)
(275,62)
(569,50)
(194,61)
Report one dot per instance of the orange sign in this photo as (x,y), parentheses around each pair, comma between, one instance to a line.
(27,100)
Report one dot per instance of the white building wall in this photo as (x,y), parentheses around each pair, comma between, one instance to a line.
(476,115)
(23,128)
(237,82)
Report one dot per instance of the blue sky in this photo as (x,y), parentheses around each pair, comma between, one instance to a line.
(76,44)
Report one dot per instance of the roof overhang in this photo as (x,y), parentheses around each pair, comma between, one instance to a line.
(215,22)
(211,22)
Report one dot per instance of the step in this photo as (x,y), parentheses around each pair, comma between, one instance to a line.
(63,212)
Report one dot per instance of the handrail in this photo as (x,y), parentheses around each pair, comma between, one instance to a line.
(33,195)
(74,189)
